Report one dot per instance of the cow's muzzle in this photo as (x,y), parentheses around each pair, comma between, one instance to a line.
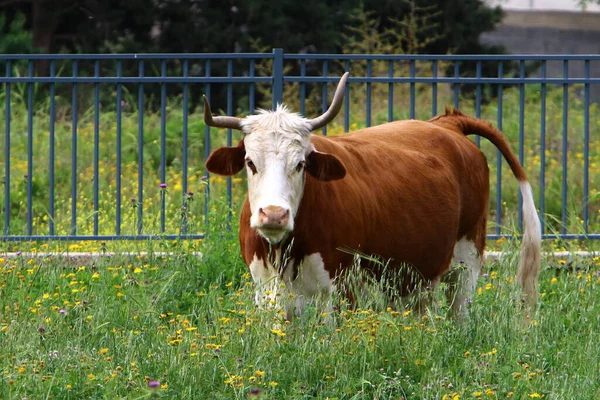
(273,217)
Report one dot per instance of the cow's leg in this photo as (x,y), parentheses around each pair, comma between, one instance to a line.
(266,280)
(311,285)
(417,293)
(421,299)
(462,276)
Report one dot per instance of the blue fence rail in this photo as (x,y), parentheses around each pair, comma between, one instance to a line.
(84,89)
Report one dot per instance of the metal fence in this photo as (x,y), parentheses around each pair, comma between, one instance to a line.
(545,104)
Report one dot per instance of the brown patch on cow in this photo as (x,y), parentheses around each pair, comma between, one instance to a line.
(409,193)
(411,190)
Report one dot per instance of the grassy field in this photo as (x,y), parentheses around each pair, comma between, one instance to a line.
(186,327)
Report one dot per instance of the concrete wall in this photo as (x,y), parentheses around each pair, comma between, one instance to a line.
(552,32)
(563,5)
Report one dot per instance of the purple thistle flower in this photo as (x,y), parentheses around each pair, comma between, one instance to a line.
(42,330)
(255,391)
(62,311)
(153,384)
(163,185)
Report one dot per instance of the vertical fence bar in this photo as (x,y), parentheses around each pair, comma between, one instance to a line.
(521,133)
(347,99)
(184,149)
(277,77)
(324,94)
(543,149)
(434,73)
(7,150)
(96,143)
(565,145)
(413,72)
(456,85)
(30,151)
(230,139)
(499,154)
(140,199)
(478,99)
(51,145)
(206,144)
(303,88)
(390,91)
(163,142)
(118,149)
(252,89)
(586,146)
(369,91)
(74,152)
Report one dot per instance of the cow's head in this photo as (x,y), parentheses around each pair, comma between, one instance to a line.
(277,153)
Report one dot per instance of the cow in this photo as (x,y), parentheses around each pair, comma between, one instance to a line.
(411,192)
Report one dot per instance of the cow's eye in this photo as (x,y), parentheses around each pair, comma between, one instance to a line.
(251,165)
(300,166)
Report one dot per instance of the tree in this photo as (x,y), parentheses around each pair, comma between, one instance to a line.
(14,38)
(584,3)
(457,24)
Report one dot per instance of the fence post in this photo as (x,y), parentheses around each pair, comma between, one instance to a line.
(277,77)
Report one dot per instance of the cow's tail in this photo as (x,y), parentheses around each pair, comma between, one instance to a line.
(532,236)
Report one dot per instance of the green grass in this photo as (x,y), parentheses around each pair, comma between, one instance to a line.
(72,331)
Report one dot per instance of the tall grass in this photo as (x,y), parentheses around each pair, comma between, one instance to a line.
(186,327)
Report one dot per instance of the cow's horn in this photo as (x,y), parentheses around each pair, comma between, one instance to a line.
(220,122)
(333,109)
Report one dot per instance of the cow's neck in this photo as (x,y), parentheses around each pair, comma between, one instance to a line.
(280,255)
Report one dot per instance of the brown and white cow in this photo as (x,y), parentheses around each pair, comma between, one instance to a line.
(413,192)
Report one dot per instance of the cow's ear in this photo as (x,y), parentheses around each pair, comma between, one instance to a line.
(227,160)
(324,167)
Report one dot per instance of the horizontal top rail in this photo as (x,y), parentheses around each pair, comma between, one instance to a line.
(445,57)
(136,79)
(133,56)
(227,56)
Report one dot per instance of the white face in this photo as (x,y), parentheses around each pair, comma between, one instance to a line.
(277,144)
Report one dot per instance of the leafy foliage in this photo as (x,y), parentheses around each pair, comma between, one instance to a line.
(14,38)
(232,26)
